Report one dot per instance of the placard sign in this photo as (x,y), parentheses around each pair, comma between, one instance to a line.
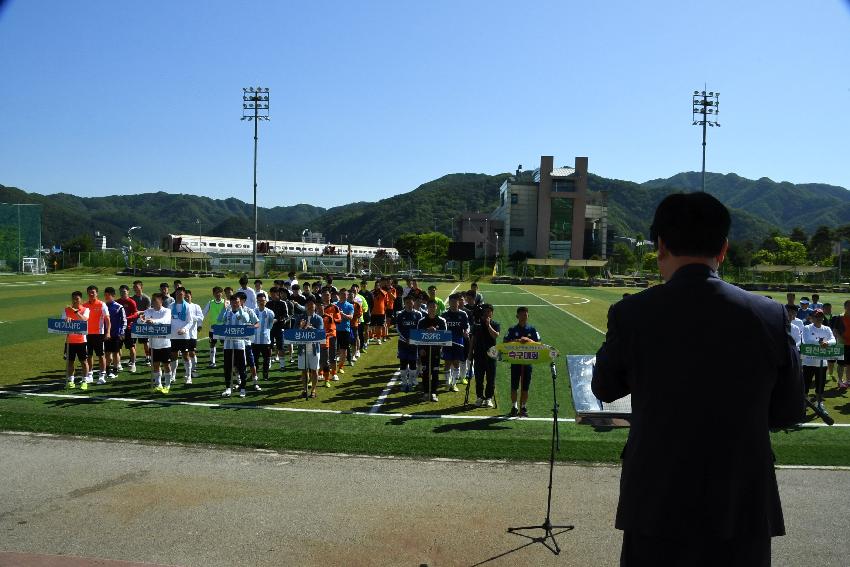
(523,353)
(430,338)
(238,332)
(835,351)
(303,336)
(65,327)
(150,331)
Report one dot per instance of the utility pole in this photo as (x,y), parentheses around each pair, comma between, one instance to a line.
(706,107)
(255,106)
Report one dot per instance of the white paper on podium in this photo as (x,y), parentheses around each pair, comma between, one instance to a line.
(590,410)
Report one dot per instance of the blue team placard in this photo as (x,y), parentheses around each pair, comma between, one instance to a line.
(150,331)
(65,327)
(239,332)
(430,338)
(303,336)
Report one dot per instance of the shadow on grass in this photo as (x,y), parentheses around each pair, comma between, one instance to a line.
(495,423)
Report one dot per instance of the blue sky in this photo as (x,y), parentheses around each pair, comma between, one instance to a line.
(371,99)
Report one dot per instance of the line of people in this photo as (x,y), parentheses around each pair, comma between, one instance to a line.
(813,323)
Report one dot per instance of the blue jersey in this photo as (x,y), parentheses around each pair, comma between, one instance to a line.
(117,319)
(348,309)
(457,322)
(405,321)
(516,332)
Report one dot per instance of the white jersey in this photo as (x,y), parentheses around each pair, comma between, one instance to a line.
(161,316)
(797,331)
(251,297)
(182,319)
(198,315)
(811,336)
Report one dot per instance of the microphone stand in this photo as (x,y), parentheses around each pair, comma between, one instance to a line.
(547,526)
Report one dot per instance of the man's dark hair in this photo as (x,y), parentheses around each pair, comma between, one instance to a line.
(76,294)
(217,289)
(91,288)
(138,282)
(521,308)
(243,280)
(486,306)
(243,297)
(110,290)
(123,287)
(691,224)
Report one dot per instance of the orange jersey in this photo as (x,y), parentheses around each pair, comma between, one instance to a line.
(97,316)
(332,316)
(69,314)
(358,313)
(379,301)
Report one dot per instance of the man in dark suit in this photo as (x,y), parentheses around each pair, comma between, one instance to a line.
(711,368)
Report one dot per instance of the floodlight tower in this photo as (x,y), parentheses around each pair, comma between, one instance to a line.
(255,106)
(706,107)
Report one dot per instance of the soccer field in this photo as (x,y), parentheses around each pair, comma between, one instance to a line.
(365,412)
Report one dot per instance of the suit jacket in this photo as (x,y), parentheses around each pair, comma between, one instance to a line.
(711,368)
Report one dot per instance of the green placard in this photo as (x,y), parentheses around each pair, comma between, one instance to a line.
(524,353)
(835,351)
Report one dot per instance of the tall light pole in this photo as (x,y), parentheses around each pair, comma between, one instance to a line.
(130,239)
(255,106)
(706,107)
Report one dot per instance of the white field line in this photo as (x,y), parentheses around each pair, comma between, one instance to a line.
(376,407)
(577,318)
(284,409)
(319,410)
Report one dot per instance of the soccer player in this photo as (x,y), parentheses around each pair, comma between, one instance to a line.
(485,331)
(407,320)
(212,310)
(258,287)
(250,295)
(796,329)
(377,313)
(132,313)
(143,302)
(234,349)
(280,308)
(522,332)
(842,335)
(479,299)
(160,346)
(117,327)
(167,299)
(308,355)
(76,343)
(198,316)
(805,312)
(814,368)
(343,329)
(332,318)
(356,319)
(431,355)
(182,321)
(98,330)
(262,343)
(458,323)
(432,295)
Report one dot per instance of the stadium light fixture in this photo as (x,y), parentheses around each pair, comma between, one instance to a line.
(705,104)
(254,110)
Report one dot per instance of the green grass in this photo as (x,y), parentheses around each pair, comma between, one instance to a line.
(565,317)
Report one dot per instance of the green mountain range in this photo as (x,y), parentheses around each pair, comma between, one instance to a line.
(758,208)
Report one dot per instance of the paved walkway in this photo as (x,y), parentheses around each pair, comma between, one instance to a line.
(176,505)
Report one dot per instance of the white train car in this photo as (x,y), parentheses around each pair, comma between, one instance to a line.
(217,245)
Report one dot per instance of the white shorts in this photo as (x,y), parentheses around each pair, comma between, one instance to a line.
(308,360)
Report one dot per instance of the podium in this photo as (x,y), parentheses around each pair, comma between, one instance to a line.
(590,410)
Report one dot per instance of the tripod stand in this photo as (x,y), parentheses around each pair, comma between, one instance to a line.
(547,526)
